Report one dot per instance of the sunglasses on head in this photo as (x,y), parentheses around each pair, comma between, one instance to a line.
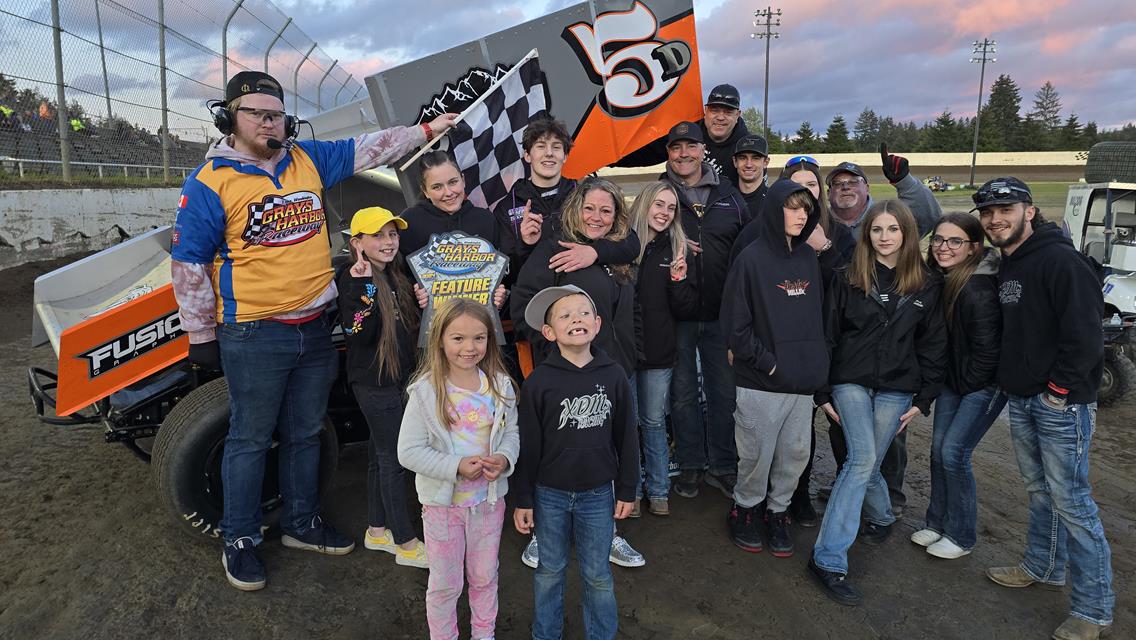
(998,191)
(799,159)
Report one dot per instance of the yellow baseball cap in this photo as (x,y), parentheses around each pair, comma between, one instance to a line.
(371,219)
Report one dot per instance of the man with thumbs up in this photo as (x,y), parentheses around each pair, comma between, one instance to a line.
(849,199)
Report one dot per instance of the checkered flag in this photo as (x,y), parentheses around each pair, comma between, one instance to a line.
(487,141)
(256,215)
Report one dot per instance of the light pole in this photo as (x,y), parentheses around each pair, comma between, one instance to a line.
(980,53)
(772,18)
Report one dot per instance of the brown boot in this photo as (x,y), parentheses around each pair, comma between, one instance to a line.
(1015,577)
(1075,628)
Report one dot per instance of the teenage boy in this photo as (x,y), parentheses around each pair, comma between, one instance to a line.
(531,209)
(775,335)
(1051,362)
(579,460)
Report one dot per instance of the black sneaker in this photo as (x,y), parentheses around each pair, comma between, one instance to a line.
(724,483)
(874,533)
(801,508)
(321,538)
(688,483)
(780,534)
(743,528)
(243,567)
(836,585)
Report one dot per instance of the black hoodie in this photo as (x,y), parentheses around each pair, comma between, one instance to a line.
(719,155)
(1052,307)
(660,301)
(362,327)
(424,220)
(614,296)
(714,226)
(774,314)
(578,429)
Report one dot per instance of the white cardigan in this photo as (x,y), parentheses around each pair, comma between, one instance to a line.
(425,447)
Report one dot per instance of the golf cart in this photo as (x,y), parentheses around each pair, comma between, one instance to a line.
(1100,218)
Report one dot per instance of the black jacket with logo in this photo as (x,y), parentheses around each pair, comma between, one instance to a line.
(714,226)
(362,325)
(613,294)
(904,351)
(659,302)
(1052,307)
(578,429)
(974,330)
(774,313)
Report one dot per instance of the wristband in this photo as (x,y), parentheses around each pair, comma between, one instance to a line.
(429,132)
(826,247)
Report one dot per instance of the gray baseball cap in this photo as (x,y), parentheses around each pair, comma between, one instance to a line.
(538,307)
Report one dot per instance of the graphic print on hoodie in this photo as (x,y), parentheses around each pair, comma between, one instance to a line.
(578,429)
(774,314)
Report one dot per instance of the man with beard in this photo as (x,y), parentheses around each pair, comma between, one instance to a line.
(722,128)
(1050,366)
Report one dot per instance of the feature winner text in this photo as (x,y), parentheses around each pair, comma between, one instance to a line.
(476,289)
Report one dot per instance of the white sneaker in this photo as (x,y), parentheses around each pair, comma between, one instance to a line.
(624,555)
(531,555)
(378,543)
(926,537)
(947,550)
(413,557)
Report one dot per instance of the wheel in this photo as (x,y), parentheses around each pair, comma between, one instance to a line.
(187,462)
(1111,162)
(1118,377)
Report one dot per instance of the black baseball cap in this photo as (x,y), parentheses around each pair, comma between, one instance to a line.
(247,82)
(725,95)
(1005,190)
(685,131)
(845,167)
(752,144)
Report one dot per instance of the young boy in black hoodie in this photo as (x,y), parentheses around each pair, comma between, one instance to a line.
(775,336)
(579,460)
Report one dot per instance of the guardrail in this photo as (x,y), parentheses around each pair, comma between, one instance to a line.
(19,163)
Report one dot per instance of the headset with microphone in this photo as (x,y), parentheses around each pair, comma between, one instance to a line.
(223,119)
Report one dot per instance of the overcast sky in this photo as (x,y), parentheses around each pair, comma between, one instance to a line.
(904,58)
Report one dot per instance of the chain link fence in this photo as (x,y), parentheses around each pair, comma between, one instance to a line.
(132,78)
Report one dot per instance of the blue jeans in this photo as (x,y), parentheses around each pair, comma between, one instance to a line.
(586,518)
(870,420)
(653,394)
(1064,527)
(960,423)
(699,445)
(279,378)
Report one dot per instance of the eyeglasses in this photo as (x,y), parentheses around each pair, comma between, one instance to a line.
(998,191)
(952,243)
(799,159)
(262,115)
(847,184)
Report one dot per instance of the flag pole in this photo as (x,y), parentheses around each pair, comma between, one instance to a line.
(426,147)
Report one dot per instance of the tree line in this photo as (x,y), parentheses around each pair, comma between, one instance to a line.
(1002,128)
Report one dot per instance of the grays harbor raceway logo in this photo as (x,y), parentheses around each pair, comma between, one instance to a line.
(134,343)
(279,221)
(622,54)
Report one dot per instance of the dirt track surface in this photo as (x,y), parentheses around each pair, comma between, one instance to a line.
(87,551)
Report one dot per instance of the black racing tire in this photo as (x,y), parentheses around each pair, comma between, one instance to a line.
(1117,379)
(1111,162)
(187,462)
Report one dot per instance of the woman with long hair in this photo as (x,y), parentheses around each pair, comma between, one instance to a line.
(970,400)
(888,341)
(664,292)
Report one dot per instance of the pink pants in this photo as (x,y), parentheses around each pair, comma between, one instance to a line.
(458,537)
